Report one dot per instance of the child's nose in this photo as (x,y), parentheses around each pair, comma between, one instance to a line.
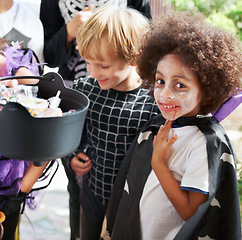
(167,93)
(94,72)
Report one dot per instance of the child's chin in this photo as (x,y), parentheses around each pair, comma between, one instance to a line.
(171,116)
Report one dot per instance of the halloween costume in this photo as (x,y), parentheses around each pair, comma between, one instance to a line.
(228,107)
(112,122)
(217,218)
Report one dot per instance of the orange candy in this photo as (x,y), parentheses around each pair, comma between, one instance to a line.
(2,217)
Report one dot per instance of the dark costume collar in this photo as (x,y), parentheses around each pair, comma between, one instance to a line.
(198,120)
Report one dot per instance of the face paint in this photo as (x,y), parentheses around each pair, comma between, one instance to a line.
(177,90)
(174,115)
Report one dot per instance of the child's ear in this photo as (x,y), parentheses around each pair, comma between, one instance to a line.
(133,61)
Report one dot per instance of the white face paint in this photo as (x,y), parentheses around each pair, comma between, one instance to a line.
(177,91)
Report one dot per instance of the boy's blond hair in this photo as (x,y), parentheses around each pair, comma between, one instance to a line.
(120,28)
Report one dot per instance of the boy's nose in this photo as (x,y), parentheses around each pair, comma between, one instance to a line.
(93,72)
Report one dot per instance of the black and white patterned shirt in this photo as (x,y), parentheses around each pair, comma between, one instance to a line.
(69,8)
(112,122)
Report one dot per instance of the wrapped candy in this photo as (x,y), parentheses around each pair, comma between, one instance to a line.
(27,97)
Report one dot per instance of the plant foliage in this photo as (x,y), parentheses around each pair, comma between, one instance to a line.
(223,13)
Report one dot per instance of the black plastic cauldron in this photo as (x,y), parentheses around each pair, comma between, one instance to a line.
(40,139)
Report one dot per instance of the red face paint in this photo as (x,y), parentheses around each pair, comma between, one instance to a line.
(174,115)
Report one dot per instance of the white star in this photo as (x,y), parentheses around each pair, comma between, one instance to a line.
(228,158)
(126,187)
(215,203)
(205,238)
(143,136)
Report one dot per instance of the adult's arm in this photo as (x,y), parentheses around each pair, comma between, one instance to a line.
(141,5)
(55,34)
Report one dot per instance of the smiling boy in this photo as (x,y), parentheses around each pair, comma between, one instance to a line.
(119,106)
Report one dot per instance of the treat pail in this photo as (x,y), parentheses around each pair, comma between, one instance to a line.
(25,137)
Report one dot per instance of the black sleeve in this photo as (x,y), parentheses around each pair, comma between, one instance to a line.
(141,5)
(55,33)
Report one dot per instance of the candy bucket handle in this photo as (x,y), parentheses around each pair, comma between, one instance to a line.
(27,77)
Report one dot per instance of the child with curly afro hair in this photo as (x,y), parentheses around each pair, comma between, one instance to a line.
(212,54)
(178,179)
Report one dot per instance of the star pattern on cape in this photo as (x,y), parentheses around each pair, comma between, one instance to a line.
(143,136)
(226,157)
(215,203)
(205,238)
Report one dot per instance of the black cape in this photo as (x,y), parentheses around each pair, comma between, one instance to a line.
(217,218)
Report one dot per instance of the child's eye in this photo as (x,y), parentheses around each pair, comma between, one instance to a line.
(159,81)
(104,67)
(180,85)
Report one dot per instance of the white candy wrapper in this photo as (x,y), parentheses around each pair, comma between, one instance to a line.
(27,97)
(49,112)
(54,102)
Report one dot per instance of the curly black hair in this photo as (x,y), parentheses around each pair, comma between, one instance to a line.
(213,54)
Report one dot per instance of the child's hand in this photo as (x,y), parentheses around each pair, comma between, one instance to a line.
(23,71)
(10,83)
(81,164)
(162,145)
(76,21)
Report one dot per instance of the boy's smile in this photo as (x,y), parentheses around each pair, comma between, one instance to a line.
(177,90)
(111,71)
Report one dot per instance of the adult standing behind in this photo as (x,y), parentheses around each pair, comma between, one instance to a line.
(18,23)
(61,19)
